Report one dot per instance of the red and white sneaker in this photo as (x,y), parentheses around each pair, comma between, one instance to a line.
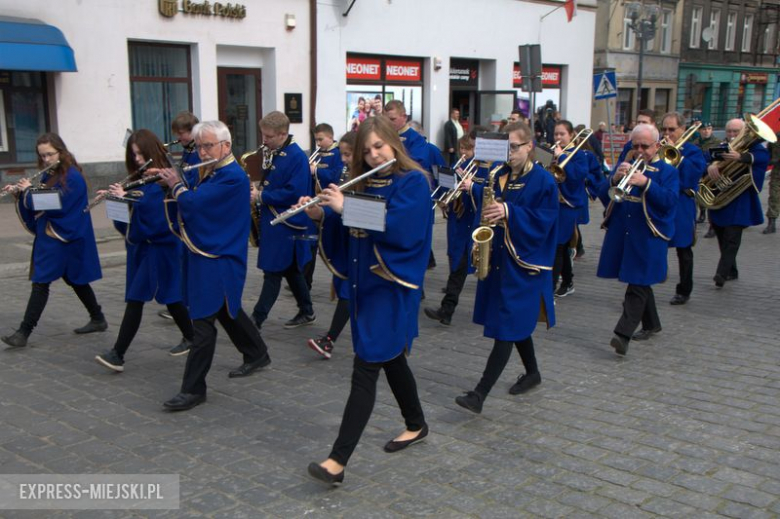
(322,345)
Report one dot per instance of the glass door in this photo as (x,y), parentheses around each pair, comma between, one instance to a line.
(240,108)
(494,106)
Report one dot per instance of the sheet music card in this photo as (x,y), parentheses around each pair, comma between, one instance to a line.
(46,200)
(492,147)
(118,210)
(447,178)
(363,211)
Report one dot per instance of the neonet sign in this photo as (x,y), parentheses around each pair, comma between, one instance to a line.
(366,68)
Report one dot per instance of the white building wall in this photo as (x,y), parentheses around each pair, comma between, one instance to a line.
(93,106)
(485,30)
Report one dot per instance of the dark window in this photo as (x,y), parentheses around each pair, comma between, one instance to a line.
(23,115)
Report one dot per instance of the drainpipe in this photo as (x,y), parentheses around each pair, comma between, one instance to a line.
(312,69)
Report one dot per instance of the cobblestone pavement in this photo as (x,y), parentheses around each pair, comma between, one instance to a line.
(687,425)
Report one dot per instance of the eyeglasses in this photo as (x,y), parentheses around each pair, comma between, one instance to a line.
(667,129)
(642,146)
(208,145)
(49,155)
(514,146)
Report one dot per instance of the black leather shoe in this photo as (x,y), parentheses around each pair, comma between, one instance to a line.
(620,344)
(93,326)
(395,446)
(300,319)
(525,383)
(679,299)
(437,315)
(18,339)
(643,334)
(471,400)
(246,369)
(318,472)
(719,280)
(184,402)
(731,277)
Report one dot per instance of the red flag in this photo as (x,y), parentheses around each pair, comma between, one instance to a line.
(571,9)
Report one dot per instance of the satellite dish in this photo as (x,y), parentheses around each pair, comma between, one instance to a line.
(707,34)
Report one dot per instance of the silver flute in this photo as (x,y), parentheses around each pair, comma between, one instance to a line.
(316,200)
(156,178)
(14,190)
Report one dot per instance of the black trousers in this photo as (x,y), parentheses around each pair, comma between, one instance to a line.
(729,240)
(39,296)
(563,266)
(272,284)
(243,334)
(339,320)
(638,306)
(363,395)
(685,259)
(498,359)
(131,322)
(308,269)
(455,282)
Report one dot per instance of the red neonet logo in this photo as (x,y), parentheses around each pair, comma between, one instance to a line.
(363,69)
(402,70)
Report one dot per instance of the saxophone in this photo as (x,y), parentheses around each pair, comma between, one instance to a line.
(483,235)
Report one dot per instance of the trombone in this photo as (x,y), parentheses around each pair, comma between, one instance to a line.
(289,213)
(315,158)
(14,190)
(102,196)
(570,149)
(619,192)
(670,153)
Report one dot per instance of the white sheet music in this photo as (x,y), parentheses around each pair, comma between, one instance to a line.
(118,210)
(46,200)
(364,213)
(491,150)
(446,180)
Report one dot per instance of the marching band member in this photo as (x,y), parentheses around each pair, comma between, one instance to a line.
(744,211)
(638,230)
(690,169)
(414,143)
(461,216)
(337,263)
(517,291)
(213,222)
(385,272)
(283,253)
(181,127)
(153,253)
(572,200)
(64,245)
(646,116)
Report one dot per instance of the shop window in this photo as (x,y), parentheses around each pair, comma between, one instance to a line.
(23,115)
(160,85)
(661,100)
(625,103)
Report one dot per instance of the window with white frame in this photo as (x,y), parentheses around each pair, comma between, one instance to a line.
(628,33)
(747,32)
(731,30)
(715,28)
(666,31)
(696,14)
(769,38)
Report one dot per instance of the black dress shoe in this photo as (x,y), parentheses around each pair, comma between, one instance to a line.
(719,280)
(318,472)
(525,383)
(247,368)
(472,401)
(18,339)
(731,277)
(437,315)
(643,334)
(679,299)
(184,401)
(620,344)
(395,446)
(94,325)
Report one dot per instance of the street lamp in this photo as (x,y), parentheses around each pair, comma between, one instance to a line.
(643,18)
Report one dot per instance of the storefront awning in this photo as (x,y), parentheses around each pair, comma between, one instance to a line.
(27,44)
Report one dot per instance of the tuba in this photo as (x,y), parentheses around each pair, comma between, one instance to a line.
(557,169)
(483,235)
(735,176)
(254,208)
(670,153)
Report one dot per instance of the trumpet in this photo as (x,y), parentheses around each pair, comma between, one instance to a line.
(289,213)
(557,169)
(455,192)
(14,190)
(156,178)
(172,143)
(670,153)
(619,192)
(102,196)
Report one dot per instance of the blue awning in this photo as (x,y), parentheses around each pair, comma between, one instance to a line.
(27,44)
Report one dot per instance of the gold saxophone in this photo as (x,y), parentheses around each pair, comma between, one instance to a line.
(483,235)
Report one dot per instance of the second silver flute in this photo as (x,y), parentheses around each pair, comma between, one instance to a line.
(316,200)
(156,178)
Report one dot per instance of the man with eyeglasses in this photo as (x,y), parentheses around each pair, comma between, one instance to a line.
(638,229)
(284,249)
(213,222)
(691,167)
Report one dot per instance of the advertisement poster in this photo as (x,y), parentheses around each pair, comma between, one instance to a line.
(364,104)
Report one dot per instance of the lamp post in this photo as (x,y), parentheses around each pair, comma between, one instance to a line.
(643,18)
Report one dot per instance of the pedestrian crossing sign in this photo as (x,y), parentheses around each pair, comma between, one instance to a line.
(604,85)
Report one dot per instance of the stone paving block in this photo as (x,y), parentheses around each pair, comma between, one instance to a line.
(584,501)
(738,510)
(697,500)
(749,496)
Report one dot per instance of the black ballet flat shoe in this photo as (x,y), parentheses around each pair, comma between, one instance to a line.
(319,473)
(438,315)
(184,402)
(471,400)
(719,280)
(246,369)
(18,339)
(395,446)
(525,383)
(94,325)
